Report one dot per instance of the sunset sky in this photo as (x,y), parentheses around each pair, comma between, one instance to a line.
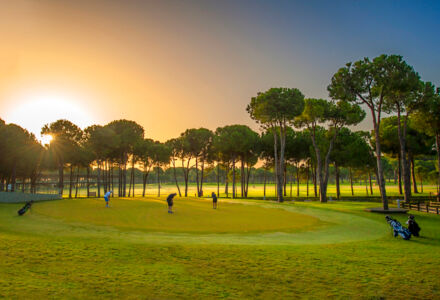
(173,65)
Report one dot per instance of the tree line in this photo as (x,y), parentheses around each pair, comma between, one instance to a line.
(295,131)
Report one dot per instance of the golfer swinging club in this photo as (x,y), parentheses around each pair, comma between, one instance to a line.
(106,197)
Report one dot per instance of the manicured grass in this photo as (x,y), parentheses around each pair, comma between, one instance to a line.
(257,190)
(69,249)
(195,215)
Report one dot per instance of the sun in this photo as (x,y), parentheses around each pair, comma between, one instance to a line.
(46,139)
(33,110)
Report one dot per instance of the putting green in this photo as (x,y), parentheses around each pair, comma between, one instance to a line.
(236,222)
(190,216)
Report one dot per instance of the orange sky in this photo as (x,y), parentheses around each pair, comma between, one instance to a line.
(173,65)
(101,63)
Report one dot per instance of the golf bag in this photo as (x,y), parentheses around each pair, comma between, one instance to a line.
(398,229)
(24,209)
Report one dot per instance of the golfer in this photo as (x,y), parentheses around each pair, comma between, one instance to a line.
(106,197)
(170,202)
(413,226)
(214,200)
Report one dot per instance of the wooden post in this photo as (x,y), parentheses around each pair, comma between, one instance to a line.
(427,208)
(418,206)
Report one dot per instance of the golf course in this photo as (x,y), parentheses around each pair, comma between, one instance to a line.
(77,248)
(219,150)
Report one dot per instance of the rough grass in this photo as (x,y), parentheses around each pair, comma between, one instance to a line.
(50,254)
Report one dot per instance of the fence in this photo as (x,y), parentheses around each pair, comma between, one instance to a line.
(429,207)
(19,197)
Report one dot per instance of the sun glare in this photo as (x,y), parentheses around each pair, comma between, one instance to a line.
(46,139)
(33,111)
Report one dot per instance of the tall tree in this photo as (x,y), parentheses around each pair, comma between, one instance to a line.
(404,96)
(335,116)
(368,82)
(199,142)
(231,141)
(144,150)
(427,119)
(101,142)
(419,144)
(173,145)
(276,109)
(160,155)
(127,134)
(66,136)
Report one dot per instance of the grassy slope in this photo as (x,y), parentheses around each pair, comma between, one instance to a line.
(355,256)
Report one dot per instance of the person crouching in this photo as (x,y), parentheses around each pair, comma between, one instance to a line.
(413,226)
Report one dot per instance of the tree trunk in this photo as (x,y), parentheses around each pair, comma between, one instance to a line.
(248,174)
(371,185)
(144,181)
(285,179)
(351,181)
(77,182)
(131,183)
(297,179)
(61,179)
(71,181)
(119,180)
(202,173)
(437,145)
(227,180)
(104,176)
(308,175)
(280,177)
(399,173)
(197,176)
(112,177)
(175,177)
(413,175)
(98,179)
(323,174)
(405,169)
(421,184)
(233,177)
(125,179)
(242,178)
(264,188)
(218,179)
(88,181)
(315,180)
(338,190)
(366,185)
(133,175)
(380,179)
(291,184)
(158,181)
(185,171)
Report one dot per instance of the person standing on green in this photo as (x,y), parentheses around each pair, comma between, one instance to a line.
(214,200)
(170,202)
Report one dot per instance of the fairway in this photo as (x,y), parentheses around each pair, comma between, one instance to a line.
(245,249)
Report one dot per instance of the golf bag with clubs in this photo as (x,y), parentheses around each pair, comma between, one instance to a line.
(25,208)
(398,229)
